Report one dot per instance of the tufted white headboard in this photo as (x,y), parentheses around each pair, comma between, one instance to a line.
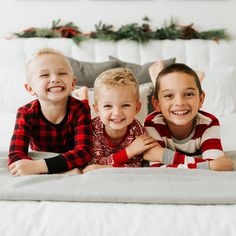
(217,60)
(199,54)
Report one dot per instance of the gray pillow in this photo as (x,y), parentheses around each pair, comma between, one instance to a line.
(86,72)
(140,71)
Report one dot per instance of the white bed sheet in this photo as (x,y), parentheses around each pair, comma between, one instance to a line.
(99,219)
(73,218)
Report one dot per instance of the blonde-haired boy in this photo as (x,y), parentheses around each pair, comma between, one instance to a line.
(118,138)
(54,122)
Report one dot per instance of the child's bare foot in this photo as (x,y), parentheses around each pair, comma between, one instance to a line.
(155,69)
(81,93)
(200,74)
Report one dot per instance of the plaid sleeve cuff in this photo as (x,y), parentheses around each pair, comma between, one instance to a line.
(56,164)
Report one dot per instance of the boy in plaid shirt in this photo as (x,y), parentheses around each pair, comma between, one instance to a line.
(54,122)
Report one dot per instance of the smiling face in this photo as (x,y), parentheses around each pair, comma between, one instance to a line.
(50,78)
(179,100)
(116,107)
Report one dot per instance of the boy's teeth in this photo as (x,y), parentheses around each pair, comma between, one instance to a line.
(56,89)
(116,120)
(180,112)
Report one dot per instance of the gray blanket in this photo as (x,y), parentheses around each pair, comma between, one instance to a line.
(123,185)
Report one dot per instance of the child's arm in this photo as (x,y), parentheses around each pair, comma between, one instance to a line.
(19,161)
(28,167)
(79,155)
(222,163)
(175,159)
(154,154)
(210,145)
(127,157)
(20,138)
(74,158)
(32,167)
(127,153)
(141,144)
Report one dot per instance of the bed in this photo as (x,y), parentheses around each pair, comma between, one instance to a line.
(143,201)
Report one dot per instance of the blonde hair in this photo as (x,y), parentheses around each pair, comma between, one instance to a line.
(46,51)
(116,77)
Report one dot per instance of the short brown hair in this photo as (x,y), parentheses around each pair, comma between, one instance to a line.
(46,51)
(177,67)
(116,77)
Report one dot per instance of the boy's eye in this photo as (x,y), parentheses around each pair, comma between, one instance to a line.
(44,75)
(63,73)
(107,106)
(189,94)
(126,105)
(168,96)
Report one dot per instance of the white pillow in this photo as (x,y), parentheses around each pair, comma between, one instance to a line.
(145,91)
(220,86)
(12,91)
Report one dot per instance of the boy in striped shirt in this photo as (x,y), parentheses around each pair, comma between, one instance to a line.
(187,136)
(54,122)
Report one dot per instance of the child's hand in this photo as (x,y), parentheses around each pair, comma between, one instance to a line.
(141,144)
(223,163)
(155,69)
(154,154)
(81,93)
(74,171)
(28,167)
(94,167)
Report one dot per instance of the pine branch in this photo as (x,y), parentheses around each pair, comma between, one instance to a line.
(135,32)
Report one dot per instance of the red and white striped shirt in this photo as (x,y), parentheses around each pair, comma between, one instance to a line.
(104,152)
(202,145)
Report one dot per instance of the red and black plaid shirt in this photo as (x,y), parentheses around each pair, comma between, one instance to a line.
(71,138)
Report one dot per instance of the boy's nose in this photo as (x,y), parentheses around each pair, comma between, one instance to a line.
(54,79)
(116,110)
(179,100)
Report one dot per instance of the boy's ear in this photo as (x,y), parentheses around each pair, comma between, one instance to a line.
(29,89)
(155,104)
(202,98)
(138,107)
(74,81)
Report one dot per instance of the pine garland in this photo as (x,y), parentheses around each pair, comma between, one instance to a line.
(135,32)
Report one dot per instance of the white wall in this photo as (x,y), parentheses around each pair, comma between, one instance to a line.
(16,15)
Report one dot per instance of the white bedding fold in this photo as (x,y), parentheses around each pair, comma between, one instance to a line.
(123,185)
